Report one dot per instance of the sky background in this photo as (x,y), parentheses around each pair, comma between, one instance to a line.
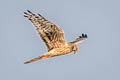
(98,58)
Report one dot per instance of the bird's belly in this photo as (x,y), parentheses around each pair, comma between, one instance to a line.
(60,51)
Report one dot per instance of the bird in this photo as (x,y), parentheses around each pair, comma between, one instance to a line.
(53,37)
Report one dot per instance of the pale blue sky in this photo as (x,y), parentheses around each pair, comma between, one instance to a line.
(98,58)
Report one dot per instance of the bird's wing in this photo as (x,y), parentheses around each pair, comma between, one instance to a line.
(52,35)
(80,39)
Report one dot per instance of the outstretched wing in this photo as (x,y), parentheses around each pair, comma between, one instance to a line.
(52,35)
(80,38)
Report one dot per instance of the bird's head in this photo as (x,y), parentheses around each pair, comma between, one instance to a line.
(75,48)
(80,39)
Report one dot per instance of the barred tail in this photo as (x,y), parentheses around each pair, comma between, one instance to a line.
(36,59)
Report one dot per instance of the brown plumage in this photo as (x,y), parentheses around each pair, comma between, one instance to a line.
(53,37)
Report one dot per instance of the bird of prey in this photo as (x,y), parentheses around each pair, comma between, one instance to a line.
(53,37)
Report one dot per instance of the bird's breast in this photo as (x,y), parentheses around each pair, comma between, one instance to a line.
(60,51)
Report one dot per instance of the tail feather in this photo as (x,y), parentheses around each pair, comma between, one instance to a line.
(36,59)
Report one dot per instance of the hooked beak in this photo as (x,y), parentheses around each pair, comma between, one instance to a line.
(75,52)
(75,49)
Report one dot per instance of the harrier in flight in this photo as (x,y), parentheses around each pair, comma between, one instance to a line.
(53,37)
